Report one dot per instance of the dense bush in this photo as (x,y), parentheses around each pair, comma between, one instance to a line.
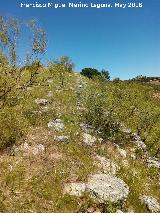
(13,126)
(94,73)
(110,105)
(98,114)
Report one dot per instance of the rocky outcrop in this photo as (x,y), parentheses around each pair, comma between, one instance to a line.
(57,124)
(122,152)
(151,203)
(102,187)
(27,149)
(62,138)
(153,162)
(86,128)
(138,142)
(107,166)
(89,139)
(105,187)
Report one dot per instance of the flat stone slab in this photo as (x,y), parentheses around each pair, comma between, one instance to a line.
(151,203)
(105,187)
(101,187)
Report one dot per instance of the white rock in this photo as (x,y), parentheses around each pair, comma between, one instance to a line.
(80,86)
(119,211)
(125,130)
(25,145)
(45,108)
(75,189)
(89,139)
(50,94)
(62,138)
(100,140)
(122,152)
(56,124)
(41,101)
(50,81)
(106,165)
(151,203)
(140,144)
(107,188)
(133,156)
(153,162)
(86,128)
(90,210)
(27,149)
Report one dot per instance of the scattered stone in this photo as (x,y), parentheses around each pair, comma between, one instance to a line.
(151,203)
(100,140)
(107,188)
(30,149)
(75,189)
(41,101)
(125,130)
(80,86)
(90,210)
(89,139)
(138,142)
(45,108)
(97,211)
(133,156)
(86,128)
(29,88)
(50,94)
(153,162)
(119,211)
(122,152)
(106,165)
(56,124)
(50,81)
(62,138)
(102,188)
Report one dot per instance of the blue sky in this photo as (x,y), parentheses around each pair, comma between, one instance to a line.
(124,41)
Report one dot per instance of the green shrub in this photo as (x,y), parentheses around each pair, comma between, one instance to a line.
(98,115)
(13,125)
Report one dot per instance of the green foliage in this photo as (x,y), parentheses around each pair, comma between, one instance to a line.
(12,126)
(116,80)
(95,74)
(99,115)
(61,67)
(105,74)
(90,72)
(132,104)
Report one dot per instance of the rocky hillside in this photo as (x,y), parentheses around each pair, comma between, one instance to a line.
(87,146)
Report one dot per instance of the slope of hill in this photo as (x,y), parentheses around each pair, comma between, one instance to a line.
(84,146)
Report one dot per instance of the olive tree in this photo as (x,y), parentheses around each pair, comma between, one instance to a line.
(61,66)
(10,73)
